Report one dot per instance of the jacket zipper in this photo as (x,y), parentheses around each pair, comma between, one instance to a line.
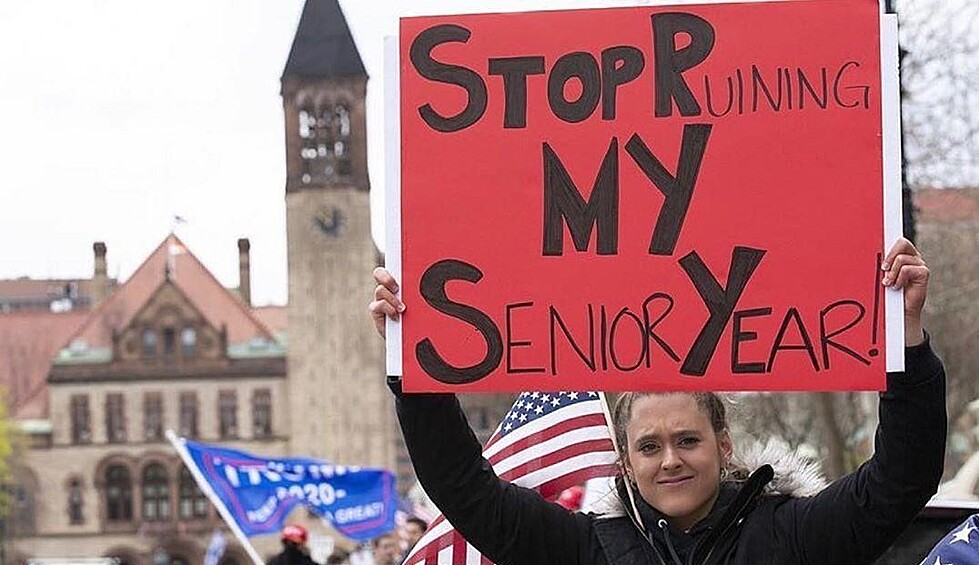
(665,526)
(739,515)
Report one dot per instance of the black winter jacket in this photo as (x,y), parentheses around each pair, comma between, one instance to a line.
(850,522)
(292,555)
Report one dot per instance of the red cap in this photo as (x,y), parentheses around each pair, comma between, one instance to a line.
(294,533)
(571,498)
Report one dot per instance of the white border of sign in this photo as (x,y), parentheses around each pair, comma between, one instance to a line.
(893,215)
(392,188)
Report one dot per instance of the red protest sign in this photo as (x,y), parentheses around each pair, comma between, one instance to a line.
(643,198)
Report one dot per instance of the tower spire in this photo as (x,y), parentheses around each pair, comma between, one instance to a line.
(323,46)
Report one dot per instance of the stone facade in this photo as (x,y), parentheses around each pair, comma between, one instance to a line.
(339,405)
(101,479)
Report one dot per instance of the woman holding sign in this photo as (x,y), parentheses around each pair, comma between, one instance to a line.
(681,499)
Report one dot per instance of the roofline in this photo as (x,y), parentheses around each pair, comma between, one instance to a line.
(238,301)
(96,313)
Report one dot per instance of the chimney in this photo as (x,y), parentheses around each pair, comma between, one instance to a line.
(244,270)
(100,277)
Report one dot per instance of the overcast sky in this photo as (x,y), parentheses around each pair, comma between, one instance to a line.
(115,115)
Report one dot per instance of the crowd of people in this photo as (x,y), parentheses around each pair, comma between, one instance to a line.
(388,549)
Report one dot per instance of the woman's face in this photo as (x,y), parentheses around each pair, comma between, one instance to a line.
(675,457)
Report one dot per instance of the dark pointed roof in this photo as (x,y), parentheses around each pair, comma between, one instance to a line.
(323,46)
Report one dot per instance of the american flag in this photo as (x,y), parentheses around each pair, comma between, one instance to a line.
(547,442)
(959,547)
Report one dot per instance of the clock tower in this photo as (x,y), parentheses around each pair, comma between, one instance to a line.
(339,407)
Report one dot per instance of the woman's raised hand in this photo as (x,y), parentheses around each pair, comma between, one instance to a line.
(386,303)
(904,268)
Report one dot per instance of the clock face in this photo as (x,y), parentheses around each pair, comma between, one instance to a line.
(329,220)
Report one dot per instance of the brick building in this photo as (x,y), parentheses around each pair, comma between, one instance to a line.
(169,348)
(97,370)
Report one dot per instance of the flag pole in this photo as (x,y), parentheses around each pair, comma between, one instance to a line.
(205,487)
(615,445)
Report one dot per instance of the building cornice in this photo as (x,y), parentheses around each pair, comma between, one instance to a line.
(112,373)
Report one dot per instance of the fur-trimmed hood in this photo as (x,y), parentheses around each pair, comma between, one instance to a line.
(795,475)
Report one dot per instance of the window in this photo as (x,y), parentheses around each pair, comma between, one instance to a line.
(115,418)
(20,519)
(188,342)
(193,503)
(343,122)
(153,416)
(188,414)
(228,414)
(75,515)
(262,413)
(118,494)
(81,431)
(341,127)
(156,493)
(149,342)
(169,342)
(325,141)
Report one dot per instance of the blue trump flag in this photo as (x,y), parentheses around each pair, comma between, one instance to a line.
(257,493)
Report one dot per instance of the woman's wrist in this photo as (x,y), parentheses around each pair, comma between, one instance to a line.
(914,333)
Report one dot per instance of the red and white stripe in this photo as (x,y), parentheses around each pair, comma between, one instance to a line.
(562,449)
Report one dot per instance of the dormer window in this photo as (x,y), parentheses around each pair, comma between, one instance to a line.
(169,342)
(188,342)
(149,342)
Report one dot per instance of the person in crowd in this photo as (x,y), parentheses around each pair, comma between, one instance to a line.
(294,550)
(412,531)
(338,557)
(387,549)
(571,498)
(682,495)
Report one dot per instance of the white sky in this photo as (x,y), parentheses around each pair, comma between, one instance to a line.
(117,114)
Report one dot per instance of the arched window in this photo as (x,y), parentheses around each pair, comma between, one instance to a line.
(188,342)
(341,150)
(118,494)
(169,342)
(156,493)
(149,342)
(75,514)
(342,122)
(193,502)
